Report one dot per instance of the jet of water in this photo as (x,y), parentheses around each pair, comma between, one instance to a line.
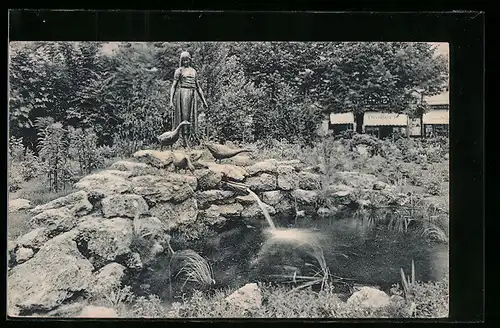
(263,208)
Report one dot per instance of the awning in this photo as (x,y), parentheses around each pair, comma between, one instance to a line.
(341,118)
(437,117)
(440,99)
(385,119)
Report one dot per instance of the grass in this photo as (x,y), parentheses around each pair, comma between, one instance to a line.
(192,267)
(37,193)
(430,301)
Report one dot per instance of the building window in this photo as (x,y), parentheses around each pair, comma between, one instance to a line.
(373,131)
(434,130)
(338,128)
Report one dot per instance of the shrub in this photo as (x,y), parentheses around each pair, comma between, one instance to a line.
(433,184)
(30,167)
(54,151)
(16,149)
(150,307)
(15,179)
(83,149)
(117,297)
(373,143)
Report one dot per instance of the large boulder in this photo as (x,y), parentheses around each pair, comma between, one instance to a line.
(245,199)
(241,160)
(273,197)
(180,179)
(262,167)
(56,220)
(23,254)
(158,189)
(50,277)
(92,311)
(103,184)
(149,226)
(34,239)
(343,197)
(122,174)
(19,204)
(208,179)
(151,237)
(287,177)
(106,279)
(262,182)
(248,297)
(76,203)
(155,158)
(357,179)
(135,168)
(124,205)
(278,199)
(173,214)
(305,197)
(228,171)
(368,297)
(309,181)
(219,214)
(214,196)
(107,239)
(255,212)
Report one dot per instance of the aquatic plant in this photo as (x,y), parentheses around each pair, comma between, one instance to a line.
(193,268)
(307,241)
(408,283)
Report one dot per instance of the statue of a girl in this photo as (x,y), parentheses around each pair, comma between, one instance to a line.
(183,100)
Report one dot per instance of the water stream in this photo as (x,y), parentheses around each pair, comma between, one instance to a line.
(263,208)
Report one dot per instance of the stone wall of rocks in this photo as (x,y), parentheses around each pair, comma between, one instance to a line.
(83,243)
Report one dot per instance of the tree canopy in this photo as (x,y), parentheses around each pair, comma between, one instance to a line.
(255,90)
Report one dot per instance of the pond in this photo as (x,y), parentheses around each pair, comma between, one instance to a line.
(362,254)
(366,255)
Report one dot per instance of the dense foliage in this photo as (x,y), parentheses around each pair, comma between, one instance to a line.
(254,90)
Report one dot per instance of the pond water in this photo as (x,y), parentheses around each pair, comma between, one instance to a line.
(363,254)
(366,255)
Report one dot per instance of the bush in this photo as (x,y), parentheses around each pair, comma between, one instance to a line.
(16,149)
(15,179)
(150,307)
(83,149)
(30,167)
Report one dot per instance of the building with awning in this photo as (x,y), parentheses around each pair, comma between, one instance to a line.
(436,122)
(382,124)
(342,122)
(438,100)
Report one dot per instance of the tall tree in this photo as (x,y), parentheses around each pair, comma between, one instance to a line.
(381,76)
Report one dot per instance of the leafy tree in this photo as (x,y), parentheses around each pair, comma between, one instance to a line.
(54,151)
(380,76)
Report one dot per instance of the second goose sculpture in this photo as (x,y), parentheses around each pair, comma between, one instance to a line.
(181,161)
(169,138)
(220,152)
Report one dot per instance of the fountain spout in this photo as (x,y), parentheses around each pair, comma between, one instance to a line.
(242,187)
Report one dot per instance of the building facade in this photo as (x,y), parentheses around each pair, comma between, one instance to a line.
(436,121)
(383,125)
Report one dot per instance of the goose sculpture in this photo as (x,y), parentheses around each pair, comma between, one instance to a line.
(220,152)
(169,138)
(182,161)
